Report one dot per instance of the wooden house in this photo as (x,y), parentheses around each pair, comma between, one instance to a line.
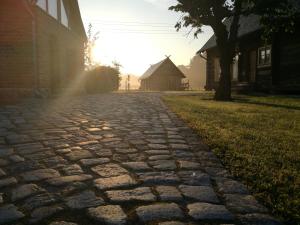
(41,46)
(257,66)
(162,76)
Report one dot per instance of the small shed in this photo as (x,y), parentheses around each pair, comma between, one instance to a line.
(162,76)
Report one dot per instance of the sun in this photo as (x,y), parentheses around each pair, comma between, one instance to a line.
(97,53)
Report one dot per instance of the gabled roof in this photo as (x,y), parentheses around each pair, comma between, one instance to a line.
(248,25)
(153,68)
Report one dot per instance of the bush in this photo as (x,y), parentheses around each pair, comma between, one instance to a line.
(102,79)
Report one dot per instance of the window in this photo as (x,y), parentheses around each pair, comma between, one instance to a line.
(264,56)
(52,8)
(64,16)
(42,4)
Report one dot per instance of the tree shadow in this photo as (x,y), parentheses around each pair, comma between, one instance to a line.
(275,105)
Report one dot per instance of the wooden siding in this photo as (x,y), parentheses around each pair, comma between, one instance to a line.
(166,78)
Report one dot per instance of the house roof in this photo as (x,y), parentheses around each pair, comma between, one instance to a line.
(248,25)
(153,68)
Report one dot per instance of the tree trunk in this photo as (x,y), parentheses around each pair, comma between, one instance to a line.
(223,92)
(226,42)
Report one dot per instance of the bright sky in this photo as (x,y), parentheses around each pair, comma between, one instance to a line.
(138,33)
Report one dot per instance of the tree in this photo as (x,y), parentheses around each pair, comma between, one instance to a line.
(102,79)
(88,48)
(223,17)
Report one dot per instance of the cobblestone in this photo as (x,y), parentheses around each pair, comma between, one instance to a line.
(199,193)
(9,213)
(138,194)
(24,191)
(42,174)
(159,212)
(44,212)
(109,170)
(8,182)
(169,193)
(206,211)
(110,214)
(60,181)
(113,159)
(83,200)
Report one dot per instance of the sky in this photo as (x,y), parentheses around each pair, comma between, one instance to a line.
(138,33)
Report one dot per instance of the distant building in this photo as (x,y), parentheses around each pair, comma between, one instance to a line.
(41,46)
(195,73)
(258,67)
(162,76)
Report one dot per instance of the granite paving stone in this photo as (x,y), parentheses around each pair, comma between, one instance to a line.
(137,166)
(188,165)
(42,174)
(9,213)
(110,214)
(169,193)
(44,212)
(85,199)
(159,157)
(59,181)
(194,178)
(172,223)
(199,193)
(8,182)
(24,191)
(159,178)
(2,173)
(1,198)
(74,169)
(161,211)
(207,211)
(229,186)
(115,182)
(94,161)
(62,223)
(39,200)
(243,204)
(137,194)
(79,154)
(163,165)
(109,170)
(114,158)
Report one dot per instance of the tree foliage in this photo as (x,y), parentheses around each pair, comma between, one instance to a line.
(102,79)
(88,47)
(275,15)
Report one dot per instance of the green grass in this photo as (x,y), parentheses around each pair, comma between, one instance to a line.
(258,140)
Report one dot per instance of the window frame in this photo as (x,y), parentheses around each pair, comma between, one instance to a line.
(62,6)
(264,62)
(56,16)
(44,9)
(59,12)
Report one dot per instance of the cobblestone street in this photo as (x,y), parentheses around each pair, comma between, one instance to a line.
(113,159)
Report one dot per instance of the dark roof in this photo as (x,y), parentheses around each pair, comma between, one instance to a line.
(153,68)
(248,25)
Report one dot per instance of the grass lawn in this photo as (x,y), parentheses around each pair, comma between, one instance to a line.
(258,140)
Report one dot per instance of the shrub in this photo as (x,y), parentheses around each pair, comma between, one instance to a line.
(102,79)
